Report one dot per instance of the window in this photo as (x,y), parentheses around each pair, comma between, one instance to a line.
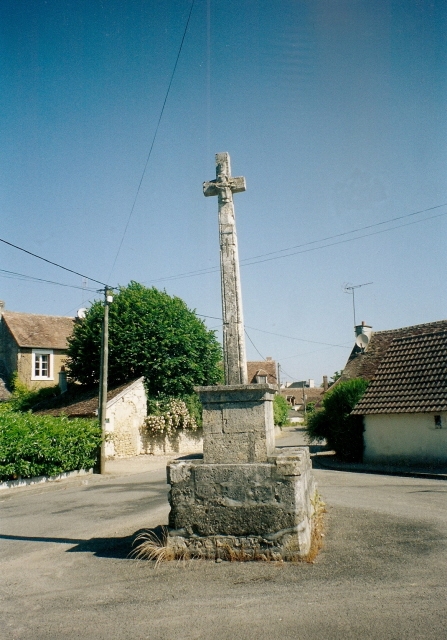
(42,364)
(438,422)
(261,379)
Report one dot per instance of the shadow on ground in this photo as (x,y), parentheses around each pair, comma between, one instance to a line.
(119,548)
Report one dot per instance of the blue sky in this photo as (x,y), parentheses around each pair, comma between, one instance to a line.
(334,111)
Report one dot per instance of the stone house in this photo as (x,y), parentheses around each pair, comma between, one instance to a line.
(300,394)
(34,346)
(404,408)
(125,414)
(262,371)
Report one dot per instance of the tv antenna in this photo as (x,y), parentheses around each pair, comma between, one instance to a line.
(350,288)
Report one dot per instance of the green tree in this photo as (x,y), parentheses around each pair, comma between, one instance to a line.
(151,334)
(333,423)
(335,376)
(280,410)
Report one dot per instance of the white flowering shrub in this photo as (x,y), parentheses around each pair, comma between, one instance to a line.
(168,416)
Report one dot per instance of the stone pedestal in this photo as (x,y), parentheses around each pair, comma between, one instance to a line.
(238,423)
(245,499)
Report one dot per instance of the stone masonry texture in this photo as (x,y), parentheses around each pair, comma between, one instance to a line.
(270,502)
(238,423)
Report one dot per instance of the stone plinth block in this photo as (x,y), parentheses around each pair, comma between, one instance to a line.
(238,423)
(259,509)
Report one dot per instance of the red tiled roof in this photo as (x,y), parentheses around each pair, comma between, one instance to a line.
(364,365)
(412,377)
(36,331)
(262,368)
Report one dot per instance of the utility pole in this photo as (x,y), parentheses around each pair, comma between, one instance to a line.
(279,378)
(108,298)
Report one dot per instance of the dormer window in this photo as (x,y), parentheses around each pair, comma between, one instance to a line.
(261,379)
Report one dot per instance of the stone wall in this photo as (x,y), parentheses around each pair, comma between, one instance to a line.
(179,442)
(124,419)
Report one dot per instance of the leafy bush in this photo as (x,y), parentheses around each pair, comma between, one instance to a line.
(310,407)
(33,445)
(333,423)
(280,410)
(24,398)
(167,415)
(151,334)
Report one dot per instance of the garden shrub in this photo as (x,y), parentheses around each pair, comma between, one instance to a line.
(24,398)
(280,410)
(32,445)
(333,423)
(167,415)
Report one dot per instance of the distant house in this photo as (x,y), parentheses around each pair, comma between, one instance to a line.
(262,371)
(405,406)
(300,394)
(125,414)
(34,346)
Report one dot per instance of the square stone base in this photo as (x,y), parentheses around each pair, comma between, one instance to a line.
(252,509)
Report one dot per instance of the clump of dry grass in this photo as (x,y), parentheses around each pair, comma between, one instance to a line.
(318,528)
(153,547)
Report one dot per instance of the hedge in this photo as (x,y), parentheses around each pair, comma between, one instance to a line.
(33,445)
(342,431)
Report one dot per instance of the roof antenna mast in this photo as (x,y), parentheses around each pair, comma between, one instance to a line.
(351,289)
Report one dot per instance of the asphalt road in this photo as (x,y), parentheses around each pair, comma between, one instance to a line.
(66,574)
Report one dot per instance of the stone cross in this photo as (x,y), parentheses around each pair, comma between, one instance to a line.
(235,361)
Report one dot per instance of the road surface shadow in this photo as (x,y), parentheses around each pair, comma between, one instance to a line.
(118,548)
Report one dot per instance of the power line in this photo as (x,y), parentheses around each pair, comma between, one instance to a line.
(345,233)
(153,139)
(287,374)
(21,276)
(280,335)
(254,259)
(50,262)
(256,348)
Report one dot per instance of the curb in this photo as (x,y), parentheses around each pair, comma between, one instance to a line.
(377,470)
(25,482)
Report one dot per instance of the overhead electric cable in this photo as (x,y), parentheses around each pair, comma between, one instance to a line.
(51,262)
(287,374)
(153,140)
(247,261)
(280,335)
(21,276)
(256,348)
(345,233)
(332,244)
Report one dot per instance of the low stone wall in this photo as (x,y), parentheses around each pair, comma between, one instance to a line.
(258,510)
(179,442)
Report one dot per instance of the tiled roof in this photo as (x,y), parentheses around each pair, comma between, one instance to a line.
(35,331)
(79,402)
(313,394)
(364,365)
(263,368)
(412,377)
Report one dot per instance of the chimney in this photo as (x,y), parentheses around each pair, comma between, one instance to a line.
(324,384)
(311,384)
(364,329)
(2,307)
(268,358)
(63,380)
